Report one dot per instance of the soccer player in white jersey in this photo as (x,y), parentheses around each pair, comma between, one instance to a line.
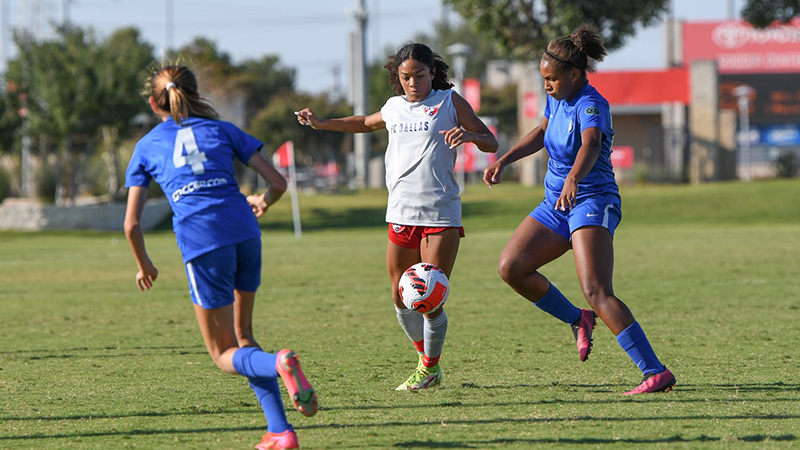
(581,208)
(426,121)
(190,155)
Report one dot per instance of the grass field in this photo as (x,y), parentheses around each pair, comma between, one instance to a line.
(711,272)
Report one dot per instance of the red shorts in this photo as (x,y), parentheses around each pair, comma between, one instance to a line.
(410,236)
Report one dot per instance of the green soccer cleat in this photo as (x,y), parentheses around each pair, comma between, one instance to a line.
(422,378)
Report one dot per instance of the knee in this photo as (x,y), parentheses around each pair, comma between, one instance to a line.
(596,294)
(509,270)
(396,298)
(224,366)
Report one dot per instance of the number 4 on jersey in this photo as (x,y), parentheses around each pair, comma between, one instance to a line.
(194,157)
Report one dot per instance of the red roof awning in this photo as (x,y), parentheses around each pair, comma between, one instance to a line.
(643,87)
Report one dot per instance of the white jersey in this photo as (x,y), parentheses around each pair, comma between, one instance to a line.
(419,165)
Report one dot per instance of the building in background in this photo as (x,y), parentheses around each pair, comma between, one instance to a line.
(685,123)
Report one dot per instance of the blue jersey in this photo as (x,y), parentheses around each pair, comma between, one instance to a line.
(562,139)
(193,164)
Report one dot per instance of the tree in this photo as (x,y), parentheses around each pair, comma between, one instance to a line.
(122,69)
(501,103)
(60,80)
(521,29)
(482,50)
(262,79)
(276,124)
(763,13)
(10,119)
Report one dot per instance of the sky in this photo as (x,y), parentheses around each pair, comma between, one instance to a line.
(309,35)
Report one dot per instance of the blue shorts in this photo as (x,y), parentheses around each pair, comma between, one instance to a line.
(587,212)
(213,276)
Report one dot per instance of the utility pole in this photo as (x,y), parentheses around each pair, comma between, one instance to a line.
(742,94)
(65,12)
(360,91)
(170,31)
(4,34)
(459,53)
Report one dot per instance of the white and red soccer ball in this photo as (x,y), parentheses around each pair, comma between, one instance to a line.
(424,288)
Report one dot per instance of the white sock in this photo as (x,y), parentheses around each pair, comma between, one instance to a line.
(412,323)
(435,331)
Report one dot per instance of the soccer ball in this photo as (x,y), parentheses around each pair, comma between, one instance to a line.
(424,288)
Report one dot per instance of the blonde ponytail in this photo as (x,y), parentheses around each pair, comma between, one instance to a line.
(174,89)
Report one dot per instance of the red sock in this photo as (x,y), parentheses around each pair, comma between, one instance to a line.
(420,346)
(430,362)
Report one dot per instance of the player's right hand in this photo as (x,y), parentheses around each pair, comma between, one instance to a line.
(493,174)
(258,204)
(307,118)
(146,276)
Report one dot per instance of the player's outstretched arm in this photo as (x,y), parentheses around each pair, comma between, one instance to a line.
(275,181)
(137,196)
(351,124)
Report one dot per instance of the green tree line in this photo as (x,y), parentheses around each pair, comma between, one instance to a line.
(75,98)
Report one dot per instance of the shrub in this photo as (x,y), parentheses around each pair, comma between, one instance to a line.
(5,184)
(46,184)
(786,165)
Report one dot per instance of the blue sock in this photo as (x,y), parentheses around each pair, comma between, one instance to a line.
(259,367)
(269,396)
(635,343)
(555,304)
(253,362)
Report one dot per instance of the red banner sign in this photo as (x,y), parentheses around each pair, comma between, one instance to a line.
(530,105)
(622,157)
(472,92)
(738,47)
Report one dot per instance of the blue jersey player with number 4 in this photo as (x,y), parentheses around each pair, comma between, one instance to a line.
(581,208)
(190,154)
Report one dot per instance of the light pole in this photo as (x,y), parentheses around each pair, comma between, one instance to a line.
(361,141)
(743,93)
(459,53)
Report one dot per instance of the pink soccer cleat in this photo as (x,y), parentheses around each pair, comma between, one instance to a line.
(300,390)
(660,382)
(582,329)
(287,439)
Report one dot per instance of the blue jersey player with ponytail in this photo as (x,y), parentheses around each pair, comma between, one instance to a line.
(581,208)
(190,154)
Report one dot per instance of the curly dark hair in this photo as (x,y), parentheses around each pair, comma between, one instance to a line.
(422,53)
(579,50)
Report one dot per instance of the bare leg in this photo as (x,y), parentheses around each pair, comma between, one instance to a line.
(217,327)
(440,249)
(593,247)
(530,247)
(398,259)
(243,318)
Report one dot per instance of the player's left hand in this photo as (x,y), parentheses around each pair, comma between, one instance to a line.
(569,194)
(456,136)
(257,204)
